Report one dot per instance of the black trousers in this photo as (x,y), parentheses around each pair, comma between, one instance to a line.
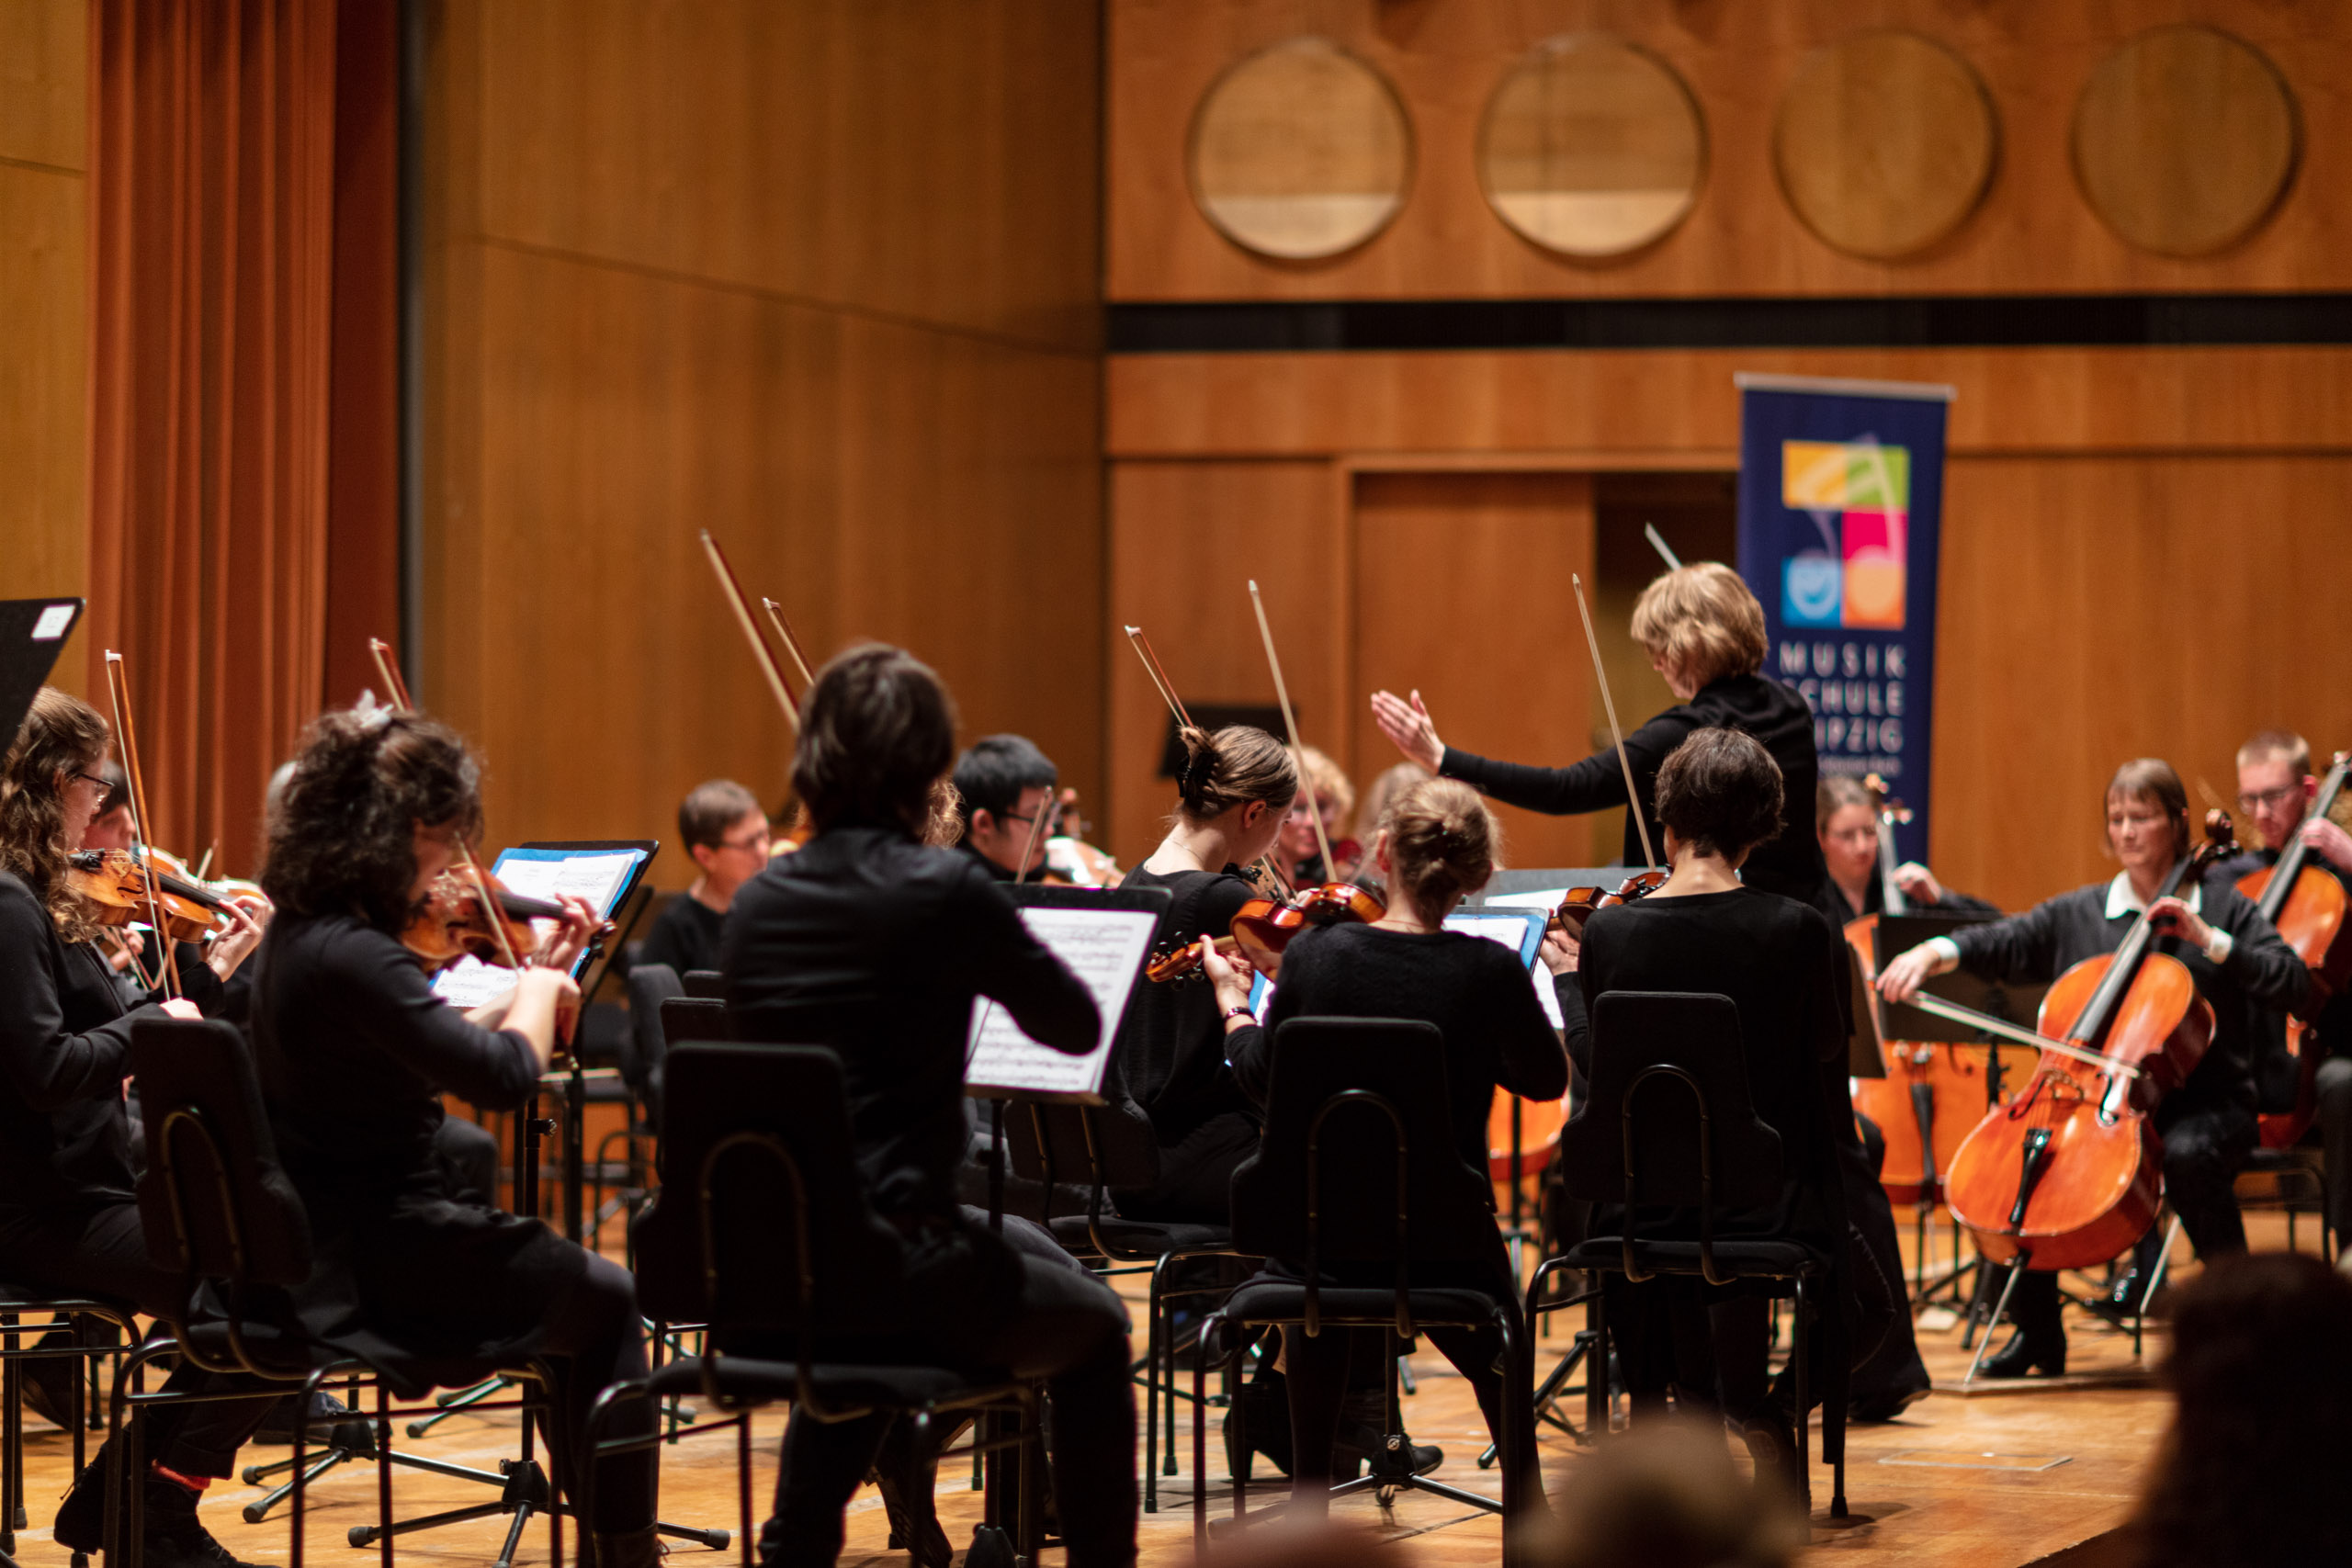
(2335,1136)
(468,1156)
(2204,1147)
(1669,1337)
(102,1250)
(594,1339)
(1895,1363)
(1195,1174)
(1063,1325)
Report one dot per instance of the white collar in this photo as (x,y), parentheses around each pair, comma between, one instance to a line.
(2122,901)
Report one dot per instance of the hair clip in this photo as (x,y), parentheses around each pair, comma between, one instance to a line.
(1194,779)
(372,715)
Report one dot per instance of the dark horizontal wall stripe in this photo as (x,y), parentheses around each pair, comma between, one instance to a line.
(2007,321)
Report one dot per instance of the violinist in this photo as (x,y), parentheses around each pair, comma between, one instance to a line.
(876,944)
(1704,633)
(2276,792)
(1235,789)
(1334,798)
(725,830)
(355,1051)
(1719,795)
(2238,962)
(69,1220)
(1438,843)
(1845,821)
(1007,784)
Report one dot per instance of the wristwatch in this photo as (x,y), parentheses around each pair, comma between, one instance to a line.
(1240,1011)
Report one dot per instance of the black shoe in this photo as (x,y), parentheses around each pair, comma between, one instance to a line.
(2021,1357)
(277,1427)
(629,1549)
(1772,1443)
(1392,1454)
(1263,1404)
(82,1517)
(174,1537)
(1886,1404)
(49,1392)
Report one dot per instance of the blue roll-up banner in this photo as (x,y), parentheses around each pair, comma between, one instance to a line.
(1840,494)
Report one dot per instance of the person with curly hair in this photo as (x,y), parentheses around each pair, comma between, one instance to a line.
(69,1219)
(355,1051)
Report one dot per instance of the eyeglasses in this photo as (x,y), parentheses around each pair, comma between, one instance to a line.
(751,841)
(2278,796)
(1051,816)
(92,779)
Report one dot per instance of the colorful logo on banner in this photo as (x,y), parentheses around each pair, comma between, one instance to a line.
(1858,495)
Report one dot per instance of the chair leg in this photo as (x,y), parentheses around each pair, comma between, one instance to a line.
(1596,1371)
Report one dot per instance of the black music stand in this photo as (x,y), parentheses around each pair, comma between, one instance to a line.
(32,634)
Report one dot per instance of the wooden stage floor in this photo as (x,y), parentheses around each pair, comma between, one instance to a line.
(1988,1480)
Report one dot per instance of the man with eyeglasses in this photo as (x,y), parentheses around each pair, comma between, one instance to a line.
(1006,786)
(725,829)
(2275,790)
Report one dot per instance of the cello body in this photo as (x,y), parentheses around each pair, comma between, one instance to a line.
(2071,1170)
(2311,918)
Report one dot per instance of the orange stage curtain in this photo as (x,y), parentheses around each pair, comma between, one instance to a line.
(243,313)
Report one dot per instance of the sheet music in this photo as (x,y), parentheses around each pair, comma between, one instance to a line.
(470,982)
(1546,900)
(1105,948)
(1511,930)
(536,874)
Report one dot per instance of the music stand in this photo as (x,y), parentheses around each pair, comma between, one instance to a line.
(32,634)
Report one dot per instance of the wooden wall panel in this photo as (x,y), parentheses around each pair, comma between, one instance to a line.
(1668,408)
(1188,539)
(44,396)
(2097,609)
(2032,233)
(1506,680)
(612,372)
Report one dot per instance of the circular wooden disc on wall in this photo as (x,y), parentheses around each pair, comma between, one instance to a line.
(2185,139)
(1300,151)
(1884,144)
(1591,147)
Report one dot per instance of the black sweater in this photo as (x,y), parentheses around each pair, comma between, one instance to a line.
(353,1050)
(2261,970)
(1171,1054)
(64,1050)
(1789,863)
(1475,991)
(685,935)
(869,942)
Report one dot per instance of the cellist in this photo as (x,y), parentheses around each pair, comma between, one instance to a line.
(2238,961)
(1845,818)
(2275,790)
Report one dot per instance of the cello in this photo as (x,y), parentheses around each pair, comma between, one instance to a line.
(2069,1174)
(2307,906)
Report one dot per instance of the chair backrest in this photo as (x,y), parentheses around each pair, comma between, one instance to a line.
(649,986)
(1667,1119)
(763,1222)
(1357,1162)
(692,1018)
(1112,1145)
(706,982)
(214,1201)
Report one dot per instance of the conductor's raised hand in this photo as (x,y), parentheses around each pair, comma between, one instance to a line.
(1409,726)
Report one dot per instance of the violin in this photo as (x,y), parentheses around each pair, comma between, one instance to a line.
(2307,906)
(1264,927)
(119,891)
(454,922)
(2070,1172)
(1577,906)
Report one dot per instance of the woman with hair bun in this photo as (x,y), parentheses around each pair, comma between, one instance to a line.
(1437,843)
(1236,788)
(1704,633)
(1719,795)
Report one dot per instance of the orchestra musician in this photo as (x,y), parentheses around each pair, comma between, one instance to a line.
(874,944)
(725,830)
(1439,842)
(1007,784)
(2275,790)
(1845,821)
(1334,798)
(1704,633)
(69,1218)
(355,1051)
(1232,795)
(2238,962)
(1719,797)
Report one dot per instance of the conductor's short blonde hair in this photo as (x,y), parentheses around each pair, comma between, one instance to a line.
(1700,619)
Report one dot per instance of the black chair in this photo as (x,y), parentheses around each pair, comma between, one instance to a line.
(80,1312)
(762,1233)
(1357,1171)
(707,984)
(1113,1145)
(1669,1124)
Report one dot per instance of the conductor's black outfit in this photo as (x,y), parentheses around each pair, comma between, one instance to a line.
(875,946)
(1171,1059)
(1789,862)
(355,1051)
(68,1217)
(2208,1123)
(1477,994)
